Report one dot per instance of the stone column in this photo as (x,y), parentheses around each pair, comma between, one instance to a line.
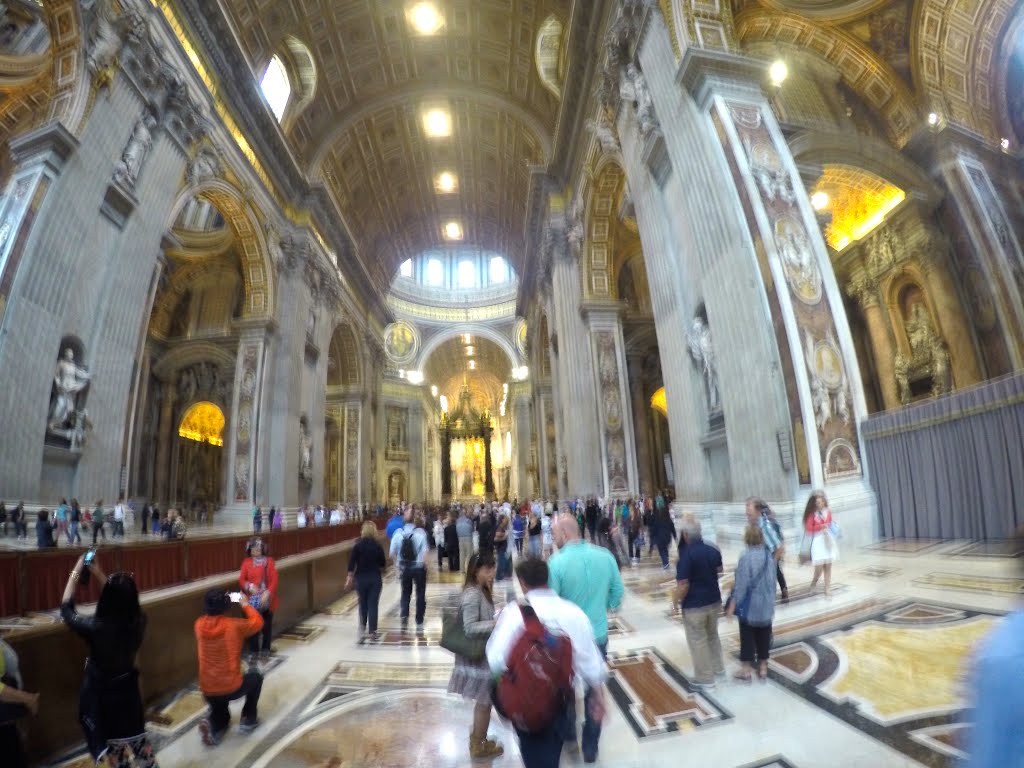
(817,356)
(865,292)
(163,448)
(521,439)
(576,390)
(641,424)
(995,249)
(953,324)
(617,440)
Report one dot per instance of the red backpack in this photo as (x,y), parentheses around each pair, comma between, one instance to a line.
(533,691)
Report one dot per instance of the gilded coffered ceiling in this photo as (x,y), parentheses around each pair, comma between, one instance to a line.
(363,133)
(480,362)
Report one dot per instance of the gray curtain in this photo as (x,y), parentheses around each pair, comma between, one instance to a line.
(951,468)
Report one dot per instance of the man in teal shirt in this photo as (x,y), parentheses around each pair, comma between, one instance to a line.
(588,576)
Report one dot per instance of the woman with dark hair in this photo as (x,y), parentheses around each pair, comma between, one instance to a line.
(44,530)
(366,565)
(110,705)
(470,678)
(259,582)
(822,549)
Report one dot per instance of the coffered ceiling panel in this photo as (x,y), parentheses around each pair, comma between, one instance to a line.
(363,132)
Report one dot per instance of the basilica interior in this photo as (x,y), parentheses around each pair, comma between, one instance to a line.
(367,253)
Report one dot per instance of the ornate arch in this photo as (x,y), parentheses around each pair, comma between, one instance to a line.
(188,354)
(601,222)
(956,58)
(453,331)
(346,355)
(870,77)
(250,241)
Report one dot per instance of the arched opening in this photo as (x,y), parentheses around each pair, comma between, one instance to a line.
(276,87)
(197,478)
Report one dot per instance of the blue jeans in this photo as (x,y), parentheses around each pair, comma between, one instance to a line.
(544,749)
(591,728)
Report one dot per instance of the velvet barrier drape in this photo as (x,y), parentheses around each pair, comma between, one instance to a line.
(951,467)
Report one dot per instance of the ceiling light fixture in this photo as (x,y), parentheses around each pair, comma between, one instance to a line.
(446,182)
(472,365)
(1004,143)
(437,123)
(819,201)
(778,72)
(453,230)
(425,18)
(470,351)
(467,338)
(933,119)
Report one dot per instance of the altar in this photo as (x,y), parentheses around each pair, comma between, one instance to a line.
(466,465)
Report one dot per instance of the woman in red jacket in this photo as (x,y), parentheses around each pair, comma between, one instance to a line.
(823,547)
(259,582)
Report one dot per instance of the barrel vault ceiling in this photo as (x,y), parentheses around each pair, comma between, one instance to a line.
(363,133)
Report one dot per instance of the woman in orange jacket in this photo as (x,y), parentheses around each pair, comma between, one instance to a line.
(259,582)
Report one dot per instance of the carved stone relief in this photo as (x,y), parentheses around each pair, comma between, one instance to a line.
(243,430)
(204,381)
(611,409)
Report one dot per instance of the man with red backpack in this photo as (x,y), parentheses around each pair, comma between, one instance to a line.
(538,647)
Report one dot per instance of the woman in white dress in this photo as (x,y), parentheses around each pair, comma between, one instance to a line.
(818,528)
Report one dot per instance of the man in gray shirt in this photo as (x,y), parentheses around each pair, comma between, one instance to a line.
(464,528)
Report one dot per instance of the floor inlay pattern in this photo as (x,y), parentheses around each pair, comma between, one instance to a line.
(896,674)
(772,762)
(655,697)
(992,548)
(969,583)
(904,546)
(375,729)
(300,633)
(876,571)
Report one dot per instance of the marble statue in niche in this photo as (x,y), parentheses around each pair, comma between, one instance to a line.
(305,450)
(68,380)
(135,151)
(703,353)
(396,430)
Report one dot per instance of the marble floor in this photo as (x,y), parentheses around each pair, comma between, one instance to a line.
(872,676)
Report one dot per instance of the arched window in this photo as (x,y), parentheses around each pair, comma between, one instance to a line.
(467,274)
(406,268)
(435,272)
(276,87)
(498,270)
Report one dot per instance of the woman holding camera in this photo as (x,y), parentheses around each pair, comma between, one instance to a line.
(110,704)
(259,582)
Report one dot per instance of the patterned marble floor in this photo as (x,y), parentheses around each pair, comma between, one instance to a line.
(871,677)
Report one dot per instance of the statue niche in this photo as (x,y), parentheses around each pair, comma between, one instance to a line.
(396,447)
(922,368)
(68,423)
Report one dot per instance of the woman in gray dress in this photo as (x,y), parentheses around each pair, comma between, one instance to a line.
(472,679)
(753,603)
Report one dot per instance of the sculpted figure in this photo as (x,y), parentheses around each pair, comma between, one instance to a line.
(635,88)
(68,380)
(605,133)
(902,368)
(305,451)
(127,171)
(699,339)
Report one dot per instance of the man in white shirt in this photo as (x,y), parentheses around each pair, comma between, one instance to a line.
(544,749)
(412,571)
(119,518)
